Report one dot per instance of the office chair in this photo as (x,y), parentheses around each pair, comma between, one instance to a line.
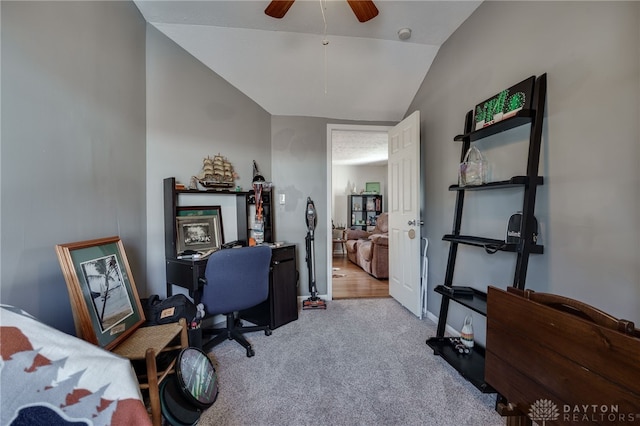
(236,279)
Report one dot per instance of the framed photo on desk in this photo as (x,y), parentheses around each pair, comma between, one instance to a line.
(199,228)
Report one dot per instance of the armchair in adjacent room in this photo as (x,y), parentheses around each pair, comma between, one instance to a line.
(370,249)
(236,279)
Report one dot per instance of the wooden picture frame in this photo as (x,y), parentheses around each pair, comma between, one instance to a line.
(104,299)
(372,188)
(199,228)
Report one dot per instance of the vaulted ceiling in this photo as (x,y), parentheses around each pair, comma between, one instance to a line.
(298,66)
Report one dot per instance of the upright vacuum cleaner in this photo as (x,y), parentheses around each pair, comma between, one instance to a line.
(313,302)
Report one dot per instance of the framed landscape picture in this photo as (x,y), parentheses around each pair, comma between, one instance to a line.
(104,299)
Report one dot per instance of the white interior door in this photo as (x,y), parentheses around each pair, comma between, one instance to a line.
(404,213)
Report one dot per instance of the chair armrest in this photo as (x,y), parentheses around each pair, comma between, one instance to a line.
(357,234)
(380,239)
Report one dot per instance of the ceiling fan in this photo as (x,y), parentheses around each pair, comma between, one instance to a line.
(363,9)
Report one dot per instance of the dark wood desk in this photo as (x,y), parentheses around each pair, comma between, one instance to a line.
(280,308)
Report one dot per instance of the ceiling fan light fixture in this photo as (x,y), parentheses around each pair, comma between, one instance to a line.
(404,33)
(364,10)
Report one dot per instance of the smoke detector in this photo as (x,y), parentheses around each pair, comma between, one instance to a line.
(404,33)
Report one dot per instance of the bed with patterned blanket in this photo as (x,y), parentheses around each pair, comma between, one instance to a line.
(48,377)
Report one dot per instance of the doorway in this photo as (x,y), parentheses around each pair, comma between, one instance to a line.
(351,282)
(356,154)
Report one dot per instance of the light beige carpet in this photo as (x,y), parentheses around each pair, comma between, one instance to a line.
(360,362)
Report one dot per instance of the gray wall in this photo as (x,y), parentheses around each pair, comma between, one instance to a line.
(299,158)
(193,113)
(589,207)
(73,143)
(299,161)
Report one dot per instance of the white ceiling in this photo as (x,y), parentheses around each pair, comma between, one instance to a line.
(364,73)
(359,147)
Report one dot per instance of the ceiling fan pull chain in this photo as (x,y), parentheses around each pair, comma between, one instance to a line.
(325,66)
(325,43)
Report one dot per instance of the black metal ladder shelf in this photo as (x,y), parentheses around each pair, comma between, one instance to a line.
(472,365)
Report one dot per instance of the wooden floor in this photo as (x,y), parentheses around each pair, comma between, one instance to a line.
(351,282)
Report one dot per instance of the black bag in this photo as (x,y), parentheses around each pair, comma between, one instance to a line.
(514,229)
(168,310)
(514,234)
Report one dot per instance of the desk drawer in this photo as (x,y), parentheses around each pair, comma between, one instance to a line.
(184,273)
(280,254)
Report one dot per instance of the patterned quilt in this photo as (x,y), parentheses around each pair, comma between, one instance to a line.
(48,377)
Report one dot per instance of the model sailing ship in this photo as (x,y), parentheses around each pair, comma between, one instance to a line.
(217,173)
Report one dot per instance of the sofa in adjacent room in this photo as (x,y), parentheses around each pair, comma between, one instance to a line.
(370,249)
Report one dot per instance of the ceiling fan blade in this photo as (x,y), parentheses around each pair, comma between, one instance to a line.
(278,8)
(363,9)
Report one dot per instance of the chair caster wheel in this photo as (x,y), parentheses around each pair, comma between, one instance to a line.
(250,352)
(267,332)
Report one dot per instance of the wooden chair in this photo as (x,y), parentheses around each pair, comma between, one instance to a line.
(340,240)
(146,344)
(107,312)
